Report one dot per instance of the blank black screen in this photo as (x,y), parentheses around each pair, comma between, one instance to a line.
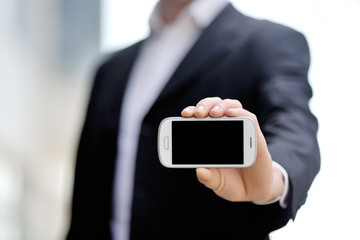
(207,142)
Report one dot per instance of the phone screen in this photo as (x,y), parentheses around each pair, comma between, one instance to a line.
(207,142)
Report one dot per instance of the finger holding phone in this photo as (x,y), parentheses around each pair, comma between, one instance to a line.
(261,182)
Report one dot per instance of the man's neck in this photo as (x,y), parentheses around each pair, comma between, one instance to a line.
(171,8)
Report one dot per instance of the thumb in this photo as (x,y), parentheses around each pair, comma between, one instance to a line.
(210,177)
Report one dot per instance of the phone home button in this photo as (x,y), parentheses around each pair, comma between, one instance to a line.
(166,142)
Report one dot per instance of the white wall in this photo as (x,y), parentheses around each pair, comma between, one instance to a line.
(43,91)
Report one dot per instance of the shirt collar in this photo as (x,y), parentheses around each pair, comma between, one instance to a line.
(203,12)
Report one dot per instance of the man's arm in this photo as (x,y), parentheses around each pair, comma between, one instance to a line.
(281,56)
(283,111)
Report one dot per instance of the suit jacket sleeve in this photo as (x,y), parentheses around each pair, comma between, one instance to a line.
(286,120)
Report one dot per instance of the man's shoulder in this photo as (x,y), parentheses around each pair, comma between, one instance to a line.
(255,28)
(265,28)
(267,35)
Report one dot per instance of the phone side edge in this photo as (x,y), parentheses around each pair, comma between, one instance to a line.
(164,130)
(250,149)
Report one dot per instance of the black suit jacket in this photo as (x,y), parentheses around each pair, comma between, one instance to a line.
(262,64)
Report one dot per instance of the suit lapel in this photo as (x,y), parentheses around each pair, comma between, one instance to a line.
(214,44)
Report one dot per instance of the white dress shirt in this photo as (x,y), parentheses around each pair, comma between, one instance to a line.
(160,55)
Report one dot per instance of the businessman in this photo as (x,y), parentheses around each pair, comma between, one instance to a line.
(202,58)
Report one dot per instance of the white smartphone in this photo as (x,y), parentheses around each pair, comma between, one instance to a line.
(228,142)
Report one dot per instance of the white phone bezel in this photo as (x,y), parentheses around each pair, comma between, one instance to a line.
(165,143)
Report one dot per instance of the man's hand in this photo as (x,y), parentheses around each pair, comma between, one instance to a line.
(259,183)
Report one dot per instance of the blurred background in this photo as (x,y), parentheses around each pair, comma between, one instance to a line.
(48,54)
